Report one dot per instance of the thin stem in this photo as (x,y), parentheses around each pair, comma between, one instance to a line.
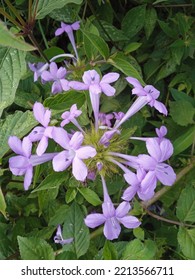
(167,220)
(14,10)
(193,146)
(29,10)
(35,43)
(35,10)
(97,232)
(43,35)
(165,189)
(11,19)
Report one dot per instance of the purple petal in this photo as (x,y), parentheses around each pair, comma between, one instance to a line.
(94,220)
(134,82)
(65,84)
(46,76)
(161,132)
(107,89)
(91,77)
(36,160)
(79,169)
(86,152)
(39,112)
(160,107)
(60,162)
(110,78)
(95,89)
(131,178)
(75,25)
(166,149)
(61,73)
(129,193)
(19,162)
(165,174)
(56,87)
(26,146)
(147,193)
(112,229)
(130,222)
(108,209)
(59,31)
(78,85)
(147,162)
(149,181)
(76,140)
(152,91)
(42,146)
(36,134)
(28,178)
(53,69)
(122,209)
(15,144)
(60,136)
(153,148)
(48,131)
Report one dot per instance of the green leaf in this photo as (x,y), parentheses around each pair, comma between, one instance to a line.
(167,69)
(132,47)
(32,248)
(109,251)
(2,204)
(138,250)
(12,67)
(47,6)
(120,61)
(115,34)
(170,32)
(134,21)
(69,13)
(63,102)
(179,95)
(58,217)
(52,181)
(186,239)
(150,21)
(184,141)
(90,196)
(70,195)
(182,112)
(186,205)
(139,233)
(8,39)
(98,43)
(18,124)
(74,227)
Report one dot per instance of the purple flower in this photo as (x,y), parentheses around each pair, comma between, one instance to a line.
(107,136)
(161,132)
(105,119)
(73,153)
(41,133)
(37,69)
(111,217)
(70,116)
(68,28)
(58,77)
(146,95)
(59,239)
(153,164)
(24,162)
(92,82)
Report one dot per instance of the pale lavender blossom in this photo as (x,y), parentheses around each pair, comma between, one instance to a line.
(57,76)
(73,154)
(146,95)
(92,82)
(69,28)
(107,136)
(23,163)
(41,133)
(161,132)
(105,119)
(38,69)
(70,116)
(111,217)
(58,238)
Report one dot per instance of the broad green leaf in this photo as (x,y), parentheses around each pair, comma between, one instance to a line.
(2,203)
(52,181)
(70,195)
(132,47)
(179,95)
(170,32)
(134,21)
(139,233)
(98,43)
(186,239)
(18,124)
(58,217)
(8,39)
(12,67)
(5,244)
(90,196)
(167,69)
(150,21)
(184,141)
(32,248)
(109,251)
(74,227)
(182,112)
(68,14)
(47,6)
(120,61)
(138,250)
(186,205)
(114,33)
(63,102)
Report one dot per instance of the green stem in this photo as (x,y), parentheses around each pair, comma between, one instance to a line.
(35,43)
(29,10)
(11,19)
(43,35)
(15,12)
(97,232)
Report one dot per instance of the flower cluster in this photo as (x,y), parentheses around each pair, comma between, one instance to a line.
(98,149)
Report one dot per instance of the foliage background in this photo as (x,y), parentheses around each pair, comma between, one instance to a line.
(150,40)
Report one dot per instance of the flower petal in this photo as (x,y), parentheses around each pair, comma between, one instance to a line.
(91,76)
(36,134)
(39,112)
(42,146)
(130,222)
(19,162)
(134,82)
(75,25)
(15,144)
(76,140)
(56,87)
(146,162)
(165,174)
(112,229)
(78,85)
(153,148)
(60,162)
(166,149)
(60,136)
(122,209)
(160,107)
(28,178)
(59,31)
(94,220)
(129,193)
(86,152)
(61,73)
(46,76)
(26,146)
(107,89)
(110,78)
(79,169)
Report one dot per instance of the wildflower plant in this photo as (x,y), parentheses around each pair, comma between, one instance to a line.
(84,160)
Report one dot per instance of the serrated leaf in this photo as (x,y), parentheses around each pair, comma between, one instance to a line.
(12,67)
(139,233)
(184,141)
(63,102)
(133,21)
(68,14)
(47,6)
(182,112)
(32,248)
(8,39)
(150,21)
(90,196)
(179,95)
(17,124)
(2,203)
(70,195)
(75,228)
(167,69)
(109,251)
(58,217)
(98,43)
(52,181)
(186,239)
(120,62)
(186,205)
(138,250)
